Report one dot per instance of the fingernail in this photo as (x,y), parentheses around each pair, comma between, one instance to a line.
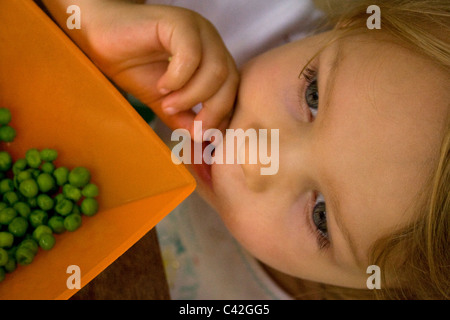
(170,111)
(164,91)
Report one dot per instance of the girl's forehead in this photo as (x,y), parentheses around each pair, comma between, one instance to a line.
(386,103)
(385,77)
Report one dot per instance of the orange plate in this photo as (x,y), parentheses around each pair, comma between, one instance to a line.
(59,100)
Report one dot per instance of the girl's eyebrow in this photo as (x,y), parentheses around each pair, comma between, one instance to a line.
(332,73)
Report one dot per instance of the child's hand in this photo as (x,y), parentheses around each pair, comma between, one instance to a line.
(132,44)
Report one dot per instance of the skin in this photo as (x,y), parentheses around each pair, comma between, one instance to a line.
(371,147)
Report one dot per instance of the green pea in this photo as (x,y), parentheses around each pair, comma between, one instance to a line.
(3,257)
(76,209)
(10,198)
(6,239)
(18,226)
(19,165)
(24,175)
(32,202)
(59,197)
(41,230)
(2,206)
(61,175)
(6,185)
(79,177)
(90,191)
(7,215)
(5,116)
(7,133)
(64,207)
(48,167)
(12,252)
(49,155)
(89,206)
(71,192)
(35,173)
(10,266)
(5,161)
(24,256)
(16,182)
(29,188)
(47,241)
(57,224)
(38,217)
(33,158)
(2,274)
(30,244)
(44,201)
(45,182)
(72,222)
(22,209)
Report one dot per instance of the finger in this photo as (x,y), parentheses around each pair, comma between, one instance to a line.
(218,109)
(185,46)
(141,81)
(183,119)
(211,75)
(219,106)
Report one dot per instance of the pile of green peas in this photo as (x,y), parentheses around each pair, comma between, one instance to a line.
(37,201)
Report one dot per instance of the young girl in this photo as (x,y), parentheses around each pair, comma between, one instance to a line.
(363,120)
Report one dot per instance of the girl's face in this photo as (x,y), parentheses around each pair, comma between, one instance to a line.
(358,136)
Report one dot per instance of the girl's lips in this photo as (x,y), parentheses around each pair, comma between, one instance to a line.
(203,170)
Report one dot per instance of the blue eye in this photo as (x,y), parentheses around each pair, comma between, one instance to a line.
(312,97)
(319,217)
(312,90)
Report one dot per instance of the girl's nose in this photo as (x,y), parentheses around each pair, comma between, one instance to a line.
(259,159)
(284,161)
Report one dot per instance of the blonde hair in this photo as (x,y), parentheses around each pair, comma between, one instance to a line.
(423,270)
